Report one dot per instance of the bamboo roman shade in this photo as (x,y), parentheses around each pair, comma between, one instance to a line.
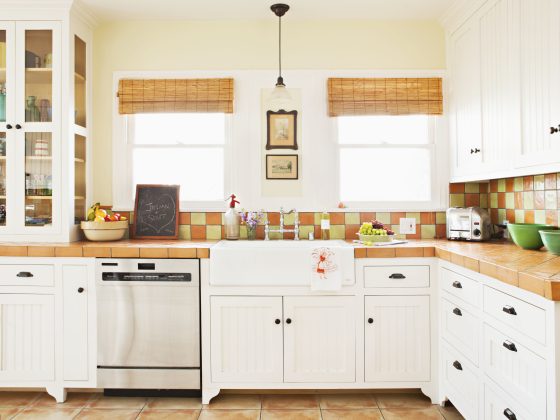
(385,96)
(137,96)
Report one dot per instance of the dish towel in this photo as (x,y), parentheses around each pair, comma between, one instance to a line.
(326,269)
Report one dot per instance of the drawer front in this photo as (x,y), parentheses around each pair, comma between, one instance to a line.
(460,383)
(520,315)
(26,275)
(516,369)
(499,406)
(462,287)
(397,276)
(461,329)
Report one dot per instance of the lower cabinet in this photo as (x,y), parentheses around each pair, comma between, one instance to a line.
(397,338)
(27,337)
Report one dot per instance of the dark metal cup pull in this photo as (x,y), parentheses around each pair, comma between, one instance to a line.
(288,320)
(397,276)
(509,345)
(370,320)
(510,415)
(24,274)
(509,310)
(457,285)
(457,312)
(81,290)
(457,365)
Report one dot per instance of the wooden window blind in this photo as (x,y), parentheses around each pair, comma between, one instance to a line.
(137,96)
(385,96)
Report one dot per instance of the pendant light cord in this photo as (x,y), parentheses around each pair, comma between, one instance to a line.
(280,46)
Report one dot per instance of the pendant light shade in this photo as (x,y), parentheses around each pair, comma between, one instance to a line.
(280,93)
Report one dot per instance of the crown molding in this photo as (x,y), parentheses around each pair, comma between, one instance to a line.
(85,14)
(458,12)
(37,4)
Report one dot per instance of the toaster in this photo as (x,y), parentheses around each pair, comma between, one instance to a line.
(469,224)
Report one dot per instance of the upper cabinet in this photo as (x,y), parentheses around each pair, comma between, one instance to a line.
(503,93)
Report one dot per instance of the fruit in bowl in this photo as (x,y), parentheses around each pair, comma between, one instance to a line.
(103,225)
(375,231)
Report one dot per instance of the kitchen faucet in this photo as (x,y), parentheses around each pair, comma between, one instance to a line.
(267,229)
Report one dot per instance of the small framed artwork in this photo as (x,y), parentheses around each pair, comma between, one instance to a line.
(281,166)
(281,130)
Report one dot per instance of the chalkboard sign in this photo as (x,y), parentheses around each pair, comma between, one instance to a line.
(156,212)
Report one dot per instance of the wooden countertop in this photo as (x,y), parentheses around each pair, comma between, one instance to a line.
(535,271)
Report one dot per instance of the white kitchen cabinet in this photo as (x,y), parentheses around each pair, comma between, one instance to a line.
(246,335)
(319,339)
(397,338)
(27,338)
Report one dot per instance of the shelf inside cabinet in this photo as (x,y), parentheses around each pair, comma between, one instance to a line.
(39,75)
(38,197)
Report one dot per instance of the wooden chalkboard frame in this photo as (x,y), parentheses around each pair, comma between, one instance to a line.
(139,188)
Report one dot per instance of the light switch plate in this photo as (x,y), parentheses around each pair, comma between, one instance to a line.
(407,225)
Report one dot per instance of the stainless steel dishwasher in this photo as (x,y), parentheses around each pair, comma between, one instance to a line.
(148,324)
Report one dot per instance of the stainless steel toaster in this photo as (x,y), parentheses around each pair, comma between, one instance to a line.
(470,224)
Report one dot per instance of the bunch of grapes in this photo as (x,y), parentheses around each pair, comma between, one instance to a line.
(375,228)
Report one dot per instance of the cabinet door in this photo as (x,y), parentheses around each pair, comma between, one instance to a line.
(246,338)
(26,338)
(319,339)
(397,338)
(75,322)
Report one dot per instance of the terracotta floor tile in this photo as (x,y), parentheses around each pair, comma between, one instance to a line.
(363,414)
(40,413)
(291,415)
(450,413)
(18,399)
(235,402)
(9,412)
(411,414)
(148,414)
(136,403)
(230,415)
(403,401)
(347,401)
(173,404)
(106,414)
(74,399)
(281,402)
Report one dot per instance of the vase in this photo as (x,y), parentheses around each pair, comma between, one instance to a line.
(32,113)
(2,107)
(251,232)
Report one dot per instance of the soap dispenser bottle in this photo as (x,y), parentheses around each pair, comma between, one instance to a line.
(232,220)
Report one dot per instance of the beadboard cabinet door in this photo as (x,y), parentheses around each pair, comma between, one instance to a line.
(397,338)
(319,339)
(246,336)
(26,337)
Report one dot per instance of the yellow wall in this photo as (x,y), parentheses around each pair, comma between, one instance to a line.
(219,45)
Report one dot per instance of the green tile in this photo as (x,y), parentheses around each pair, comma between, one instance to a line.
(528,203)
(275,235)
(551,200)
(304,231)
(510,200)
(501,185)
(243,232)
(428,231)
(352,218)
(493,200)
(457,200)
(397,229)
(338,231)
(198,219)
(185,232)
(484,201)
(414,216)
(213,232)
(472,187)
(317,218)
(538,182)
(501,215)
(131,218)
(519,216)
(289,219)
(383,217)
(518,184)
(540,216)
(263,220)
(441,218)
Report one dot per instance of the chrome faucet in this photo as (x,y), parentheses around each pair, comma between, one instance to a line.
(267,229)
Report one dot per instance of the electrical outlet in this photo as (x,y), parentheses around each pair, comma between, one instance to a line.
(408,225)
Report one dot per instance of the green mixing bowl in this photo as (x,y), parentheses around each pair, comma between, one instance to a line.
(526,235)
(551,239)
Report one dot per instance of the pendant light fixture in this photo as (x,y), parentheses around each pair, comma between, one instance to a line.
(280,93)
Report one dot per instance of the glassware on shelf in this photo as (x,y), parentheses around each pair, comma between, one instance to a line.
(45,110)
(2,101)
(32,113)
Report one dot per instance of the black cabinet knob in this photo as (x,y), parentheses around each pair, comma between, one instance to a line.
(475,150)
(553,130)
(81,290)
(9,126)
(510,415)
(457,285)
(370,320)
(18,126)
(288,320)
(457,365)
(509,345)
(457,312)
(509,310)
(277,321)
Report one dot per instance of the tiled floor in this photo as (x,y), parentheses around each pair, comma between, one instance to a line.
(32,405)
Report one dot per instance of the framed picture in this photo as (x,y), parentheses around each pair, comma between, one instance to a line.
(281,166)
(281,130)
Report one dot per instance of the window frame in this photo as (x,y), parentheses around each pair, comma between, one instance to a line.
(438,201)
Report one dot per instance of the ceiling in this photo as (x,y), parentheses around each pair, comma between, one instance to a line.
(260,9)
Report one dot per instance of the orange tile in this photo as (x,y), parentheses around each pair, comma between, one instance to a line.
(428,218)
(457,259)
(510,215)
(510,184)
(483,187)
(125,252)
(97,251)
(381,252)
(429,252)
(529,216)
(518,198)
(472,200)
(396,217)
(182,252)
(552,217)
(184,218)
(538,199)
(350,231)
(528,183)
(457,188)
(417,235)
(273,218)
(494,185)
(317,232)
(501,200)
(360,253)
(198,232)
(471,264)
(288,235)
(532,283)
(306,218)
(443,254)
(40,251)
(154,253)
(367,216)
(409,252)
(68,251)
(441,231)
(550,182)
(13,251)
(337,218)
(494,215)
(260,232)
(203,253)
(213,218)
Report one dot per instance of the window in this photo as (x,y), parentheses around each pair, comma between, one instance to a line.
(188,149)
(387,161)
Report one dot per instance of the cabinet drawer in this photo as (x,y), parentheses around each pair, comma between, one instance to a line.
(499,406)
(26,275)
(520,315)
(462,287)
(460,383)
(461,329)
(397,276)
(516,369)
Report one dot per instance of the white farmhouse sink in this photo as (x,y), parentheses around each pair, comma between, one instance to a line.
(272,263)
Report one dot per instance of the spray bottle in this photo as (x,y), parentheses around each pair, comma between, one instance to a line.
(232,220)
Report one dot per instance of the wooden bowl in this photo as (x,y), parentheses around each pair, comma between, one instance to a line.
(104,231)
